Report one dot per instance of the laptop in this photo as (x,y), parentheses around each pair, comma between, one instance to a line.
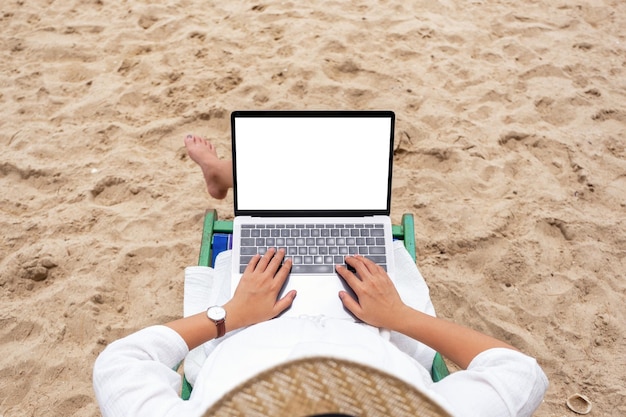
(317,183)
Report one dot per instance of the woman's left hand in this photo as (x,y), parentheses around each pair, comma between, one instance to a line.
(379,303)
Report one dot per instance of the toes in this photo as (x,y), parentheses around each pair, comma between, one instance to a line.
(198,142)
(192,139)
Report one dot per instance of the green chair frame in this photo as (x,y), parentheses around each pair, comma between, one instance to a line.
(404,231)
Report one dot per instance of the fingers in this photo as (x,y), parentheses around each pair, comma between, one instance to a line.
(364,269)
(355,281)
(350,303)
(351,279)
(285,302)
(252,264)
(271,265)
(362,265)
(283,272)
(268,261)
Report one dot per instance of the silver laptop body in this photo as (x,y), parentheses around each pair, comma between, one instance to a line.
(318,184)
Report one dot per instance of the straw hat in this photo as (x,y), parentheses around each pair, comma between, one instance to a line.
(318,386)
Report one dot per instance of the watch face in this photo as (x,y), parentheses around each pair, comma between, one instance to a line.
(216,313)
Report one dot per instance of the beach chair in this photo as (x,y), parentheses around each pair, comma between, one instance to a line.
(216,238)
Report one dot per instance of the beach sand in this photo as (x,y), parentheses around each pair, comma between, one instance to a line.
(510,152)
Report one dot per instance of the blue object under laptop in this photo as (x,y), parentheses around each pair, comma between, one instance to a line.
(221,242)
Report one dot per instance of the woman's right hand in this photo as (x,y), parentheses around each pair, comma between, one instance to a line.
(256,298)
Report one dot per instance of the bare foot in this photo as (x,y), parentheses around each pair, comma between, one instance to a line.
(218,173)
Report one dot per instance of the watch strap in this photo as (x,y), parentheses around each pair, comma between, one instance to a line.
(221,328)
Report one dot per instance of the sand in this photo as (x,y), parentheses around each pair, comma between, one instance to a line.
(510,152)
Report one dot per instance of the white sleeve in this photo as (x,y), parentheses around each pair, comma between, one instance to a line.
(498,382)
(135,376)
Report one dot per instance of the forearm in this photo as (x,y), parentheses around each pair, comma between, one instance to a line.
(458,343)
(198,329)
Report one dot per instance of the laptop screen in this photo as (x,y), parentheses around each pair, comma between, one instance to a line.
(312,162)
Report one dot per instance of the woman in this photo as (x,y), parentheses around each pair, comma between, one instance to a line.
(135,376)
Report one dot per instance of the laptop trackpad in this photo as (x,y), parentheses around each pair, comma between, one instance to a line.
(317,295)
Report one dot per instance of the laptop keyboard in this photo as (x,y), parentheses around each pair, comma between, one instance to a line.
(314,248)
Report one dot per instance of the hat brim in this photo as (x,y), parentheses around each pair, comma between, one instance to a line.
(318,385)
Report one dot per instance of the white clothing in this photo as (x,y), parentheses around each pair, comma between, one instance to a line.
(135,376)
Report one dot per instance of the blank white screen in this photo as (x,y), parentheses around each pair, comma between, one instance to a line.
(300,163)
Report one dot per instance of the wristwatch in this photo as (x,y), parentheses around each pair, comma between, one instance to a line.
(217,315)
